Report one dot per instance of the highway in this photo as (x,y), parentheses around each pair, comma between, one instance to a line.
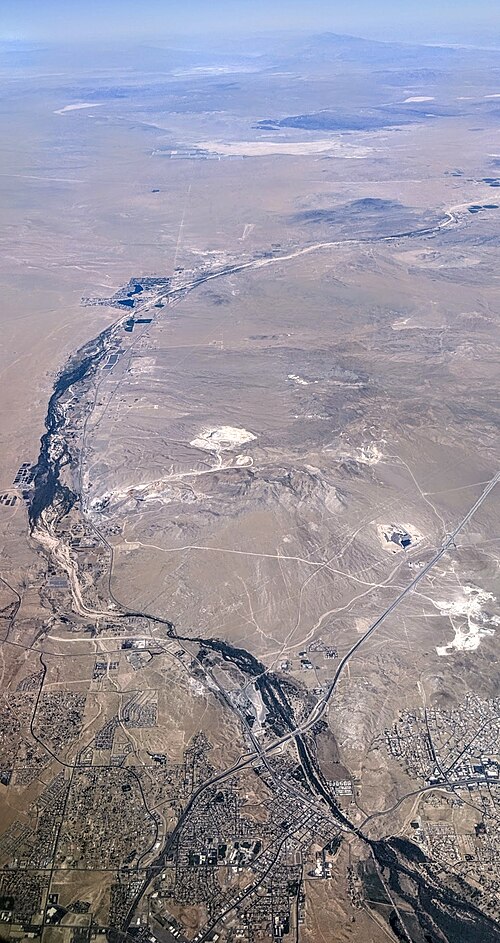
(48,469)
(447,784)
(322,704)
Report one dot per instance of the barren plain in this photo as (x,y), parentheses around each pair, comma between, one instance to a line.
(249,494)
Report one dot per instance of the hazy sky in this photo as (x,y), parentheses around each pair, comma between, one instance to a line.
(124,19)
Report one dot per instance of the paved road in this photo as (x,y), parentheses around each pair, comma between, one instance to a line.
(446,784)
(322,704)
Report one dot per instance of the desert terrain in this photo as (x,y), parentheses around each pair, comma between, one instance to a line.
(249,494)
